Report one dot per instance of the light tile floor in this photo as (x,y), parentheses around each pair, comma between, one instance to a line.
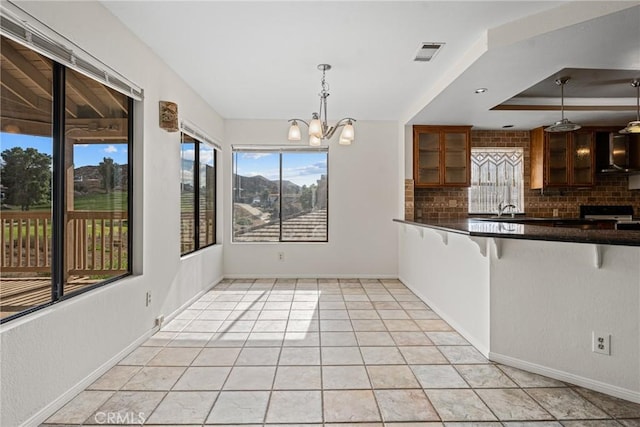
(316,352)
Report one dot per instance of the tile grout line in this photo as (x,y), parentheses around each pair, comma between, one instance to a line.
(351,290)
(409,366)
(519,387)
(375,398)
(449,364)
(572,387)
(223,382)
(191,365)
(322,407)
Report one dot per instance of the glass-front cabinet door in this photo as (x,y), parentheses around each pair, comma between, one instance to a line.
(456,156)
(558,147)
(428,154)
(563,159)
(441,156)
(583,159)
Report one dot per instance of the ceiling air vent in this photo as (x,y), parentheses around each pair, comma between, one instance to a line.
(427,51)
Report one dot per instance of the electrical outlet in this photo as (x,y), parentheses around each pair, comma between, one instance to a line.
(555,213)
(601,343)
(159,321)
(148,299)
(280,256)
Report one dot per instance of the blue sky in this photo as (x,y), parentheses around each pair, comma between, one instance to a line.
(83,154)
(300,168)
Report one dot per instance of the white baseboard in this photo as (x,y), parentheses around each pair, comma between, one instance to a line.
(310,276)
(455,325)
(44,413)
(589,383)
(40,416)
(612,390)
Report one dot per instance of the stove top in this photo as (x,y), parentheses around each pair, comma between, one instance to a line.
(620,213)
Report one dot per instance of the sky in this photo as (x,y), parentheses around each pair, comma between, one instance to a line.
(299,168)
(83,154)
(188,157)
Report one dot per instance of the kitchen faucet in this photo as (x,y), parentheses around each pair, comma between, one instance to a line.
(502,208)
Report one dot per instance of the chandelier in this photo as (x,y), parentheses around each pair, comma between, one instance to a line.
(318,127)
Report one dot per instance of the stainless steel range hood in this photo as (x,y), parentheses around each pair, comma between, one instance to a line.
(620,156)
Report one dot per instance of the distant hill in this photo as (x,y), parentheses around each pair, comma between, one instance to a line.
(84,173)
(256,185)
(87,179)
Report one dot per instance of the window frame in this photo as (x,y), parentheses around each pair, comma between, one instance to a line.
(196,196)
(520,150)
(280,151)
(59,187)
(130,178)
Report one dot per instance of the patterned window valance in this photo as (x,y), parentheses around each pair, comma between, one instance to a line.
(496,177)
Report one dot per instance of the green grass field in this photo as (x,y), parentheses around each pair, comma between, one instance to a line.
(115,201)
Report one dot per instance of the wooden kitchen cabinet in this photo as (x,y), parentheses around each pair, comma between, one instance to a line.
(441,156)
(562,159)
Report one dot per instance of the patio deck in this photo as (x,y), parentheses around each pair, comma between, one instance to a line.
(19,294)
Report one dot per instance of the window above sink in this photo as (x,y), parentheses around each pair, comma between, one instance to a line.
(497,178)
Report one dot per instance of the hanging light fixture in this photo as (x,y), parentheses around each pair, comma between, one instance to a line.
(634,126)
(564,125)
(318,128)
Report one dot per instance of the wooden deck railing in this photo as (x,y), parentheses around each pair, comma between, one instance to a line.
(26,241)
(96,242)
(207,230)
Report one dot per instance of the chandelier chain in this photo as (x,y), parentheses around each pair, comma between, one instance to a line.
(324,93)
(636,84)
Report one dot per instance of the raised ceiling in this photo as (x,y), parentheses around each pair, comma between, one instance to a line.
(585,83)
(257,60)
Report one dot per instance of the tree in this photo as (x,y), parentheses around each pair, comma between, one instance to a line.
(265,198)
(109,173)
(26,176)
(306,197)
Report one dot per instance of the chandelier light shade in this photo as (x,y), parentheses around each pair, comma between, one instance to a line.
(315,127)
(634,126)
(319,129)
(564,125)
(348,134)
(294,132)
(315,141)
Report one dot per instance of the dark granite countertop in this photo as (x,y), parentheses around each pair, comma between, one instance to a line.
(510,230)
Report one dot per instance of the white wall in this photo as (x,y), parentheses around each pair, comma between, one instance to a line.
(365,187)
(535,306)
(53,353)
(548,297)
(408,152)
(450,273)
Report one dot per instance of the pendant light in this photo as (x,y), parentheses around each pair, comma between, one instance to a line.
(564,125)
(634,126)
